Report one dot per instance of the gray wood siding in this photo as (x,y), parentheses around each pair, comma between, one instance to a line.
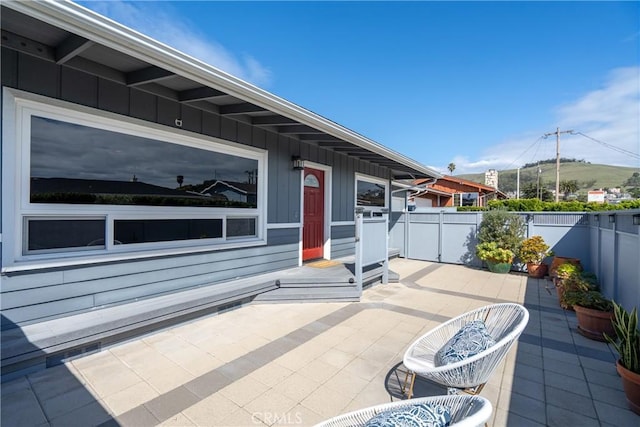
(29,296)
(343,241)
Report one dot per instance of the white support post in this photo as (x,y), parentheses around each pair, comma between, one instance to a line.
(385,263)
(358,261)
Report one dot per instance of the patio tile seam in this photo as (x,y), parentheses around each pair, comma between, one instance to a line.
(416,286)
(412,278)
(244,365)
(568,348)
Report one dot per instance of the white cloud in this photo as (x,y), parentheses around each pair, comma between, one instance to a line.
(610,114)
(157,20)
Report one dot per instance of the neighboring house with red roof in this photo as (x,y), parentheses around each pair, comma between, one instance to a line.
(453,191)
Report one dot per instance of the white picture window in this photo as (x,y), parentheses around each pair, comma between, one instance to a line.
(371,193)
(89,181)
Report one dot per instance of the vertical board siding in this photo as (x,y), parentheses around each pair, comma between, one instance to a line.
(272,147)
(191,118)
(9,68)
(210,124)
(113,97)
(143,105)
(79,87)
(168,112)
(38,76)
(228,129)
(259,137)
(29,296)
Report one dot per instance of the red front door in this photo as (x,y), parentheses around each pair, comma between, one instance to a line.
(313,229)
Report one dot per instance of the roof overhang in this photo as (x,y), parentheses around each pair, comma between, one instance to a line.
(73,36)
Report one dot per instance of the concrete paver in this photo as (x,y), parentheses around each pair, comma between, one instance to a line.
(300,363)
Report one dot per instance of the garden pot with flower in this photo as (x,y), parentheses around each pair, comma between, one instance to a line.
(533,251)
(498,260)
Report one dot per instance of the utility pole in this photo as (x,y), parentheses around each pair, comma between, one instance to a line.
(557,133)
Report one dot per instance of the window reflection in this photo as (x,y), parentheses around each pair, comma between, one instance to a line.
(241,227)
(370,194)
(166,230)
(72,163)
(48,234)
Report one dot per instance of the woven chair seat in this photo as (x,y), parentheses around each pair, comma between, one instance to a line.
(505,322)
(465,410)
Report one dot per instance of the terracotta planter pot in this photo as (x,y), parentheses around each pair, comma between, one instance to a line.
(631,385)
(560,292)
(594,323)
(558,261)
(499,267)
(536,270)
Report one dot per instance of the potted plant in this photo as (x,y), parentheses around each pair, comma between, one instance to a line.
(499,239)
(533,251)
(567,277)
(498,259)
(593,311)
(561,260)
(627,344)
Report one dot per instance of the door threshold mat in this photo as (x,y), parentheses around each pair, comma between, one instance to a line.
(325,263)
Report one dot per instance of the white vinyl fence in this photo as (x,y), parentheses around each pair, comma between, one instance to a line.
(607,243)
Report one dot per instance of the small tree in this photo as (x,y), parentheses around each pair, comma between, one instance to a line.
(451,167)
(504,228)
(568,187)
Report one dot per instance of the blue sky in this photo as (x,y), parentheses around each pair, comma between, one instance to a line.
(473,83)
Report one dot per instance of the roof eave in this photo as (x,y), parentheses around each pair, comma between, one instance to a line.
(86,23)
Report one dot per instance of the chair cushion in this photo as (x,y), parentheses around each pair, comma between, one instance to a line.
(421,415)
(470,340)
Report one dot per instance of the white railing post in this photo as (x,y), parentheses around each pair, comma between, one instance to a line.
(357,265)
(385,263)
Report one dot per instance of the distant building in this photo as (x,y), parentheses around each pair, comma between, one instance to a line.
(595,196)
(450,191)
(491,178)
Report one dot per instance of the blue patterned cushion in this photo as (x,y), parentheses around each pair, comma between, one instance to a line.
(421,415)
(470,340)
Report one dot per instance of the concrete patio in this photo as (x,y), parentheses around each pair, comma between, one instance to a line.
(298,364)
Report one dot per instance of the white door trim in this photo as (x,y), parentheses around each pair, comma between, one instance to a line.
(326,250)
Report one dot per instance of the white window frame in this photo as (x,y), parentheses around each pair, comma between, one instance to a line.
(17,109)
(374,180)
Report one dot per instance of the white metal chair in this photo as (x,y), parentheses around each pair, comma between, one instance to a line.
(505,322)
(465,410)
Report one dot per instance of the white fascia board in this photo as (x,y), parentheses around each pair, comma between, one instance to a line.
(86,23)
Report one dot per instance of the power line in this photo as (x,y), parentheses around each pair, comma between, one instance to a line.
(524,152)
(612,147)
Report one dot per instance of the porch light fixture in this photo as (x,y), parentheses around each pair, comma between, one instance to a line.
(297,163)
(596,217)
(612,218)
(636,219)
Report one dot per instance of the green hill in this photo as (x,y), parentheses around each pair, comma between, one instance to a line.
(589,176)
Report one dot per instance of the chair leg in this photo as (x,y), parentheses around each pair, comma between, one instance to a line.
(406,379)
(474,390)
(404,386)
